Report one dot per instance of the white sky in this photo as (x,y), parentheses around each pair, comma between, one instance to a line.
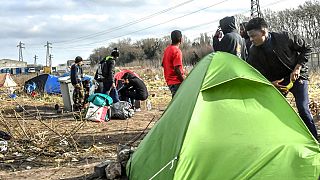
(76,27)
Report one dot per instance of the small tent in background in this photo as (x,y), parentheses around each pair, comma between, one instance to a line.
(44,83)
(7,81)
(227,122)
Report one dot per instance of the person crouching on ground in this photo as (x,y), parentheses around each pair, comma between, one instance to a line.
(133,89)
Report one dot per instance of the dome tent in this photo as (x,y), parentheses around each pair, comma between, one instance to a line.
(44,83)
(227,122)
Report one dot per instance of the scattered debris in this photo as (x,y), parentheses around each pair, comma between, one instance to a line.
(3,146)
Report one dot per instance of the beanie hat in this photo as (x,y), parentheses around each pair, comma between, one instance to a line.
(115,52)
(78,59)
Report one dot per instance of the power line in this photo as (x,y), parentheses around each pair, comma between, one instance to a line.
(149,27)
(186,29)
(123,25)
(192,27)
(210,22)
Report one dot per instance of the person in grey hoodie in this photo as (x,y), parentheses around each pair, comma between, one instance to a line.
(231,42)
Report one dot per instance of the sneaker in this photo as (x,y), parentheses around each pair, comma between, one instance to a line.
(137,110)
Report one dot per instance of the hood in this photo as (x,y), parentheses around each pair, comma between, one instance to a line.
(128,75)
(228,24)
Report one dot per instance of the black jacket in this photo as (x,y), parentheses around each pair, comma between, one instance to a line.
(231,42)
(137,85)
(282,51)
(76,74)
(106,70)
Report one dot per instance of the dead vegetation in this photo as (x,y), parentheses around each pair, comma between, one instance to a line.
(41,137)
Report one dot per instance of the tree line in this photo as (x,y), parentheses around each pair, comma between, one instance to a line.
(303,21)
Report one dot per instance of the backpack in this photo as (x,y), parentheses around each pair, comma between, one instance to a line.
(100,99)
(98,76)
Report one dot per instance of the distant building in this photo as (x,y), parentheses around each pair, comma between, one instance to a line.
(62,68)
(8,63)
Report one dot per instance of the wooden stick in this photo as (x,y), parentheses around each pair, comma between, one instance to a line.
(24,132)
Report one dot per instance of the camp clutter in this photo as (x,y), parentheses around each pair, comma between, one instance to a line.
(102,108)
(99,107)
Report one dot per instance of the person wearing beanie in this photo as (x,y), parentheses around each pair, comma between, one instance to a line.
(172,63)
(231,42)
(76,75)
(105,72)
(282,58)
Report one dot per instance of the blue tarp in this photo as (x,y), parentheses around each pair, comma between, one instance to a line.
(44,83)
(52,85)
(48,83)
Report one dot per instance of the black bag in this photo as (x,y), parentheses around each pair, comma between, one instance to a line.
(121,110)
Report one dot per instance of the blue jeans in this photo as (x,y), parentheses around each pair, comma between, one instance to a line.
(300,93)
(114,95)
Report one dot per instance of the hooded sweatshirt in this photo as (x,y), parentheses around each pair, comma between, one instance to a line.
(231,42)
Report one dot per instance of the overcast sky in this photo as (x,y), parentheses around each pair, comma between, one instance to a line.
(76,27)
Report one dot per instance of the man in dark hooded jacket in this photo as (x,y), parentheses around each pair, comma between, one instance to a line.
(231,42)
(133,89)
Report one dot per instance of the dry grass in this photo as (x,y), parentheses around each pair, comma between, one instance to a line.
(43,138)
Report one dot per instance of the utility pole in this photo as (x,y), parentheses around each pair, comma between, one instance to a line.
(35,59)
(255,9)
(48,61)
(20,46)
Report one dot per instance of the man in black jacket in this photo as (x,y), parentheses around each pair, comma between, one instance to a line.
(231,42)
(282,60)
(105,72)
(133,89)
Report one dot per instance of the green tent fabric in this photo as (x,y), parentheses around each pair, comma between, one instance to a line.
(227,122)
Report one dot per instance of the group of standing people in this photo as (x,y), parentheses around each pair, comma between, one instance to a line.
(280,57)
(130,89)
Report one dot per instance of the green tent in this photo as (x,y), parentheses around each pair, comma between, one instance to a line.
(227,122)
